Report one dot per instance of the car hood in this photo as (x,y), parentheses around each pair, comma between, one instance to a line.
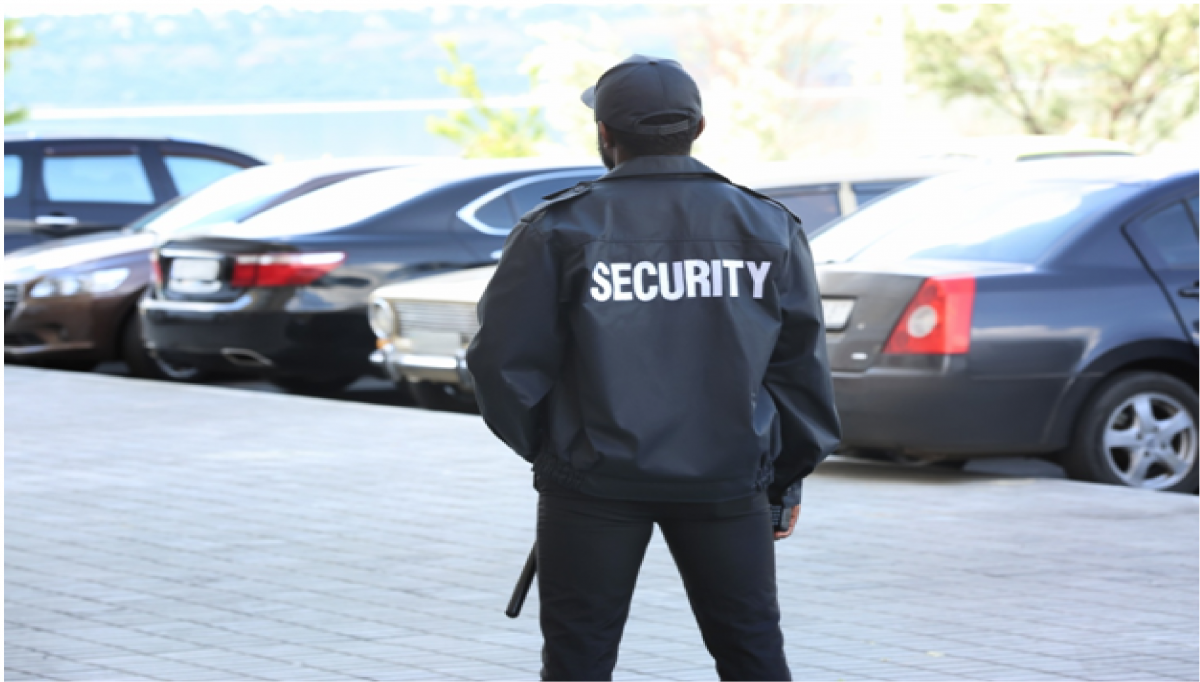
(72,252)
(464,286)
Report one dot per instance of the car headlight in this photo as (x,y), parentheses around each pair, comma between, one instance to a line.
(56,286)
(99,282)
(382,319)
(103,281)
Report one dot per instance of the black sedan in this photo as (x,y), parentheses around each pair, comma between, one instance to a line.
(285,293)
(1047,308)
(69,186)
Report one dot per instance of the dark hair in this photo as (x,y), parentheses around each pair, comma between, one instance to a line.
(657,145)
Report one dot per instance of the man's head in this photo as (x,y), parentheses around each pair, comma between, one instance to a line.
(645,107)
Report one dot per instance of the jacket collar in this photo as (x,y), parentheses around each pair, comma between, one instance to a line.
(661,165)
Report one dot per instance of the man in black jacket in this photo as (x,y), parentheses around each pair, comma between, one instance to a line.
(652,343)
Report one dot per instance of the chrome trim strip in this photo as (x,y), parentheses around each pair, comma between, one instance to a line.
(410,361)
(183,253)
(241,303)
(467,213)
(46,348)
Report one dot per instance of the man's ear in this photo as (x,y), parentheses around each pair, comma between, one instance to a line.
(699,128)
(604,135)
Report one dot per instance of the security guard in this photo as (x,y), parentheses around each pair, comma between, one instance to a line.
(652,343)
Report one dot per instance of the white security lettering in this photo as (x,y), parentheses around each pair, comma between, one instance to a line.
(697,277)
(621,282)
(640,289)
(733,266)
(603,291)
(758,273)
(676,279)
(664,280)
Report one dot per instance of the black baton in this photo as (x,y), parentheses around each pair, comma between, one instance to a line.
(521,590)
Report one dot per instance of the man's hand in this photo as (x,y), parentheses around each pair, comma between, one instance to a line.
(779,535)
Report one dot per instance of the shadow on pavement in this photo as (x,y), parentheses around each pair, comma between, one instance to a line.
(976,470)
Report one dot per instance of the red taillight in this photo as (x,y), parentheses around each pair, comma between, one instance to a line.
(282,269)
(156,274)
(937,320)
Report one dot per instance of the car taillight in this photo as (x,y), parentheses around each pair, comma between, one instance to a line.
(937,320)
(282,269)
(156,274)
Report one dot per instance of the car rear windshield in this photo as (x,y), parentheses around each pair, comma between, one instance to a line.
(345,203)
(967,216)
(227,200)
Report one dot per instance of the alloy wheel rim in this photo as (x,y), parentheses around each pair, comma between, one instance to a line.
(1150,441)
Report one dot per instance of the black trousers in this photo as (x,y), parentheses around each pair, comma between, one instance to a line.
(590,551)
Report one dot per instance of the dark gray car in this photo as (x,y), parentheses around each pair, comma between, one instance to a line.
(1045,308)
(70,186)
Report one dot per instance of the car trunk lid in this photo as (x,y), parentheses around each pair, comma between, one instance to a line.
(871,299)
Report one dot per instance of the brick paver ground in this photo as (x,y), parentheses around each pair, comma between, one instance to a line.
(157,531)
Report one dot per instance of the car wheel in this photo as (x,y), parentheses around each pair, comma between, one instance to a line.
(1137,430)
(442,397)
(310,386)
(145,365)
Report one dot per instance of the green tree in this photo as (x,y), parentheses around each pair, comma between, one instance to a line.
(1127,73)
(15,38)
(483,131)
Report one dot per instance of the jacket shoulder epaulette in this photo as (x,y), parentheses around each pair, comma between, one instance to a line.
(769,200)
(558,197)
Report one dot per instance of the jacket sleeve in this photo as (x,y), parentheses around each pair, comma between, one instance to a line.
(798,377)
(514,359)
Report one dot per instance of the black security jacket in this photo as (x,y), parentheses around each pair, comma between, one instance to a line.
(657,335)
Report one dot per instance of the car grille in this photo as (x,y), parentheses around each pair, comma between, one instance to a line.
(12,296)
(436,317)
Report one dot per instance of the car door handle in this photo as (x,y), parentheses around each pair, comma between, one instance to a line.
(1192,291)
(56,220)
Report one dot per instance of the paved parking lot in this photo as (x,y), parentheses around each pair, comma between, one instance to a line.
(157,531)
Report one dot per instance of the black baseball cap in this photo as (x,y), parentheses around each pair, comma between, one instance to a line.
(641,87)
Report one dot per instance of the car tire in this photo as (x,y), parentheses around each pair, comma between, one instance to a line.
(443,397)
(309,386)
(144,365)
(1138,429)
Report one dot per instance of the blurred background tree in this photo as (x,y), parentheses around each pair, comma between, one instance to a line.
(754,63)
(1127,73)
(484,131)
(569,58)
(15,38)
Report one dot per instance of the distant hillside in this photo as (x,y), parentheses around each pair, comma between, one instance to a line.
(275,56)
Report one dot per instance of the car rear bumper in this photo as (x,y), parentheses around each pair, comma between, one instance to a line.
(328,343)
(77,328)
(948,412)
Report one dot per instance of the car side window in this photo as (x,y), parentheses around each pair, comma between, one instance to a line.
(506,204)
(192,173)
(497,213)
(97,178)
(813,208)
(13,167)
(866,192)
(525,197)
(1168,237)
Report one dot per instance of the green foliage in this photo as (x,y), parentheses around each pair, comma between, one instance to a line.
(1127,73)
(483,131)
(15,38)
